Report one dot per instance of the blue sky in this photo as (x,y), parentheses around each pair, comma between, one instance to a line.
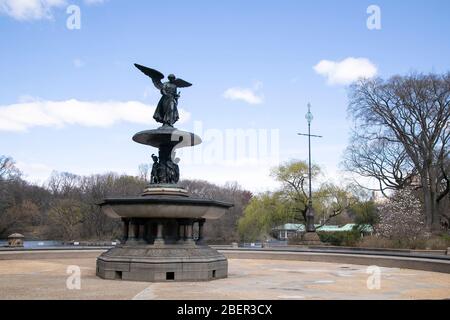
(251,63)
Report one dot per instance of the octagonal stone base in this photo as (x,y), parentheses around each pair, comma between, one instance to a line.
(160,263)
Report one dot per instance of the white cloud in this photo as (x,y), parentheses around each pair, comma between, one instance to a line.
(25,10)
(346,71)
(253,178)
(251,96)
(78,63)
(34,172)
(28,114)
(94,2)
(30,9)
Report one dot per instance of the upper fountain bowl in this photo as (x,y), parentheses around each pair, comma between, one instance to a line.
(167,135)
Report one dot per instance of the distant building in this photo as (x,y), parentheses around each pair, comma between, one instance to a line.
(15,240)
(289,230)
(378,198)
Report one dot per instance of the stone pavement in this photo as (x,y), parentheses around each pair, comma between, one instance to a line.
(248,279)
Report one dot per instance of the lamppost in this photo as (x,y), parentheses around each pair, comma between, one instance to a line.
(309,211)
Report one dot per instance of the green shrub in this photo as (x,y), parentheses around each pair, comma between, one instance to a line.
(342,238)
(441,242)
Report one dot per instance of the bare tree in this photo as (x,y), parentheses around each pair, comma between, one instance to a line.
(144,172)
(94,189)
(8,170)
(414,112)
(67,217)
(223,230)
(18,217)
(63,184)
(66,207)
(332,201)
(381,159)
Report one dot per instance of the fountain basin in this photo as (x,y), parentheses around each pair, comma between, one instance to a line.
(164,206)
(158,238)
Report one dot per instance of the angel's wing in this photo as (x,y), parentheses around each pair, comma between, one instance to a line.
(180,83)
(155,75)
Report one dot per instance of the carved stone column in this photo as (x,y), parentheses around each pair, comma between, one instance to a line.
(181,233)
(133,231)
(126,223)
(189,232)
(140,231)
(159,233)
(200,222)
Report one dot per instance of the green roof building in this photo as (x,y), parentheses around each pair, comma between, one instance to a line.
(288,230)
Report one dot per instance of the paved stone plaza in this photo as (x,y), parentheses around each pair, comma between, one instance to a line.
(248,279)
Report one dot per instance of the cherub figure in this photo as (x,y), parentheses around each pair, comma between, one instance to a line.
(154,179)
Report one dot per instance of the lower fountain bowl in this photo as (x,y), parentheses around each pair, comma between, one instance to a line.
(164,206)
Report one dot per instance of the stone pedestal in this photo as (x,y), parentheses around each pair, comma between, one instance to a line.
(310,238)
(162,263)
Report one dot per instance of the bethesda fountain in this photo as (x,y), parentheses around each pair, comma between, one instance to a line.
(158,225)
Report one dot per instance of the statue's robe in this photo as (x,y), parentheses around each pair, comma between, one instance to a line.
(167,112)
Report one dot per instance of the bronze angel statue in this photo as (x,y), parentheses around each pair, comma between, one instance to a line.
(166,112)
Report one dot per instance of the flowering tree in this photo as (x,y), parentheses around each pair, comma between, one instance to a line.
(402,217)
